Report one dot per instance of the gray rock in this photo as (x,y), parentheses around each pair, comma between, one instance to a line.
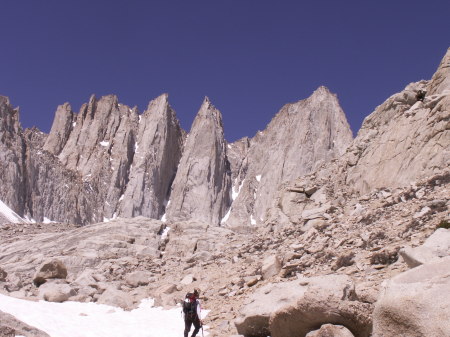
(434,248)
(116,298)
(138,278)
(415,303)
(56,292)
(271,266)
(3,275)
(201,190)
(330,330)
(51,269)
(328,299)
(11,326)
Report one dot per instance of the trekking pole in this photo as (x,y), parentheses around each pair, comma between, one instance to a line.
(202,331)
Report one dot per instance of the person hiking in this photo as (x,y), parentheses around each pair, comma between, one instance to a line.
(192,313)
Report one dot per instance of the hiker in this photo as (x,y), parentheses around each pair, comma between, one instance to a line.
(192,313)
(420,96)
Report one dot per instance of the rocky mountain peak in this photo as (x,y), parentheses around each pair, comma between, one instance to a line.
(63,125)
(201,189)
(299,138)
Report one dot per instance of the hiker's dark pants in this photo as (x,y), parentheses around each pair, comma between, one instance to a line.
(188,321)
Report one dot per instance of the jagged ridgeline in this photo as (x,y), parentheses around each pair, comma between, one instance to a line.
(109,161)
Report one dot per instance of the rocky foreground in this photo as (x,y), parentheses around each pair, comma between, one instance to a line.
(358,245)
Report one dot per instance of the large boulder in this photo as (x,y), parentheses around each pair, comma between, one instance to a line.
(51,269)
(415,303)
(297,307)
(116,298)
(56,292)
(255,314)
(434,248)
(327,299)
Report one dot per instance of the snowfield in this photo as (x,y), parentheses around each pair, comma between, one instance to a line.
(74,319)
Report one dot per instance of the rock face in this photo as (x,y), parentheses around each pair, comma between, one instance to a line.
(103,162)
(11,158)
(404,139)
(157,154)
(298,307)
(11,326)
(299,138)
(202,187)
(415,303)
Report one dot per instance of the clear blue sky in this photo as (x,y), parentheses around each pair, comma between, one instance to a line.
(248,57)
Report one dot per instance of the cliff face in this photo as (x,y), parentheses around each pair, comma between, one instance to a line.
(202,187)
(299,138)
(404,139)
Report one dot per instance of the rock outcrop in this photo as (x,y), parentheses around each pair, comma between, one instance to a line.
(157,153)
(415,303)
(404,139)
(201,190)
(299,138)
(298,307)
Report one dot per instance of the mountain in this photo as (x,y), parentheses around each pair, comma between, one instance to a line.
(354,239)
(109,161)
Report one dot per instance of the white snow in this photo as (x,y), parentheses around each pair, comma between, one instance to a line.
(74,124)
(164,218)
(136,147)
(258,177)
(9,214)
(121,197)
(252,220)
(165,232)
(74,319)
(229,146)
(234,193)
(47,220)
(140,117)
(225,218)
(104,143)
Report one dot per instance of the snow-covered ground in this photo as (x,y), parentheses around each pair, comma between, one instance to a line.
(74,319)
(9,214)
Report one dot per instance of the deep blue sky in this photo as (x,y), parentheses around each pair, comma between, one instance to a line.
(248,57)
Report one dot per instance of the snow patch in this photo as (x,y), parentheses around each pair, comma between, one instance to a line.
(225,218)
(234,193)
(47,220)
(9,214)
(121,197)
(74,124)
(165,232)
(136,147)
(252,220)
(140,117)
(75,319)
(258,177)
(104,143)
(164,217)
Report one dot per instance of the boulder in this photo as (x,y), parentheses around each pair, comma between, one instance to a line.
(11,326)
(330,330)
(138,278)
(271,266)
(407,305)
(188,279)
(51,269)
(56,292)
(116,298)
(254,316)
(327,299)
(435,247)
